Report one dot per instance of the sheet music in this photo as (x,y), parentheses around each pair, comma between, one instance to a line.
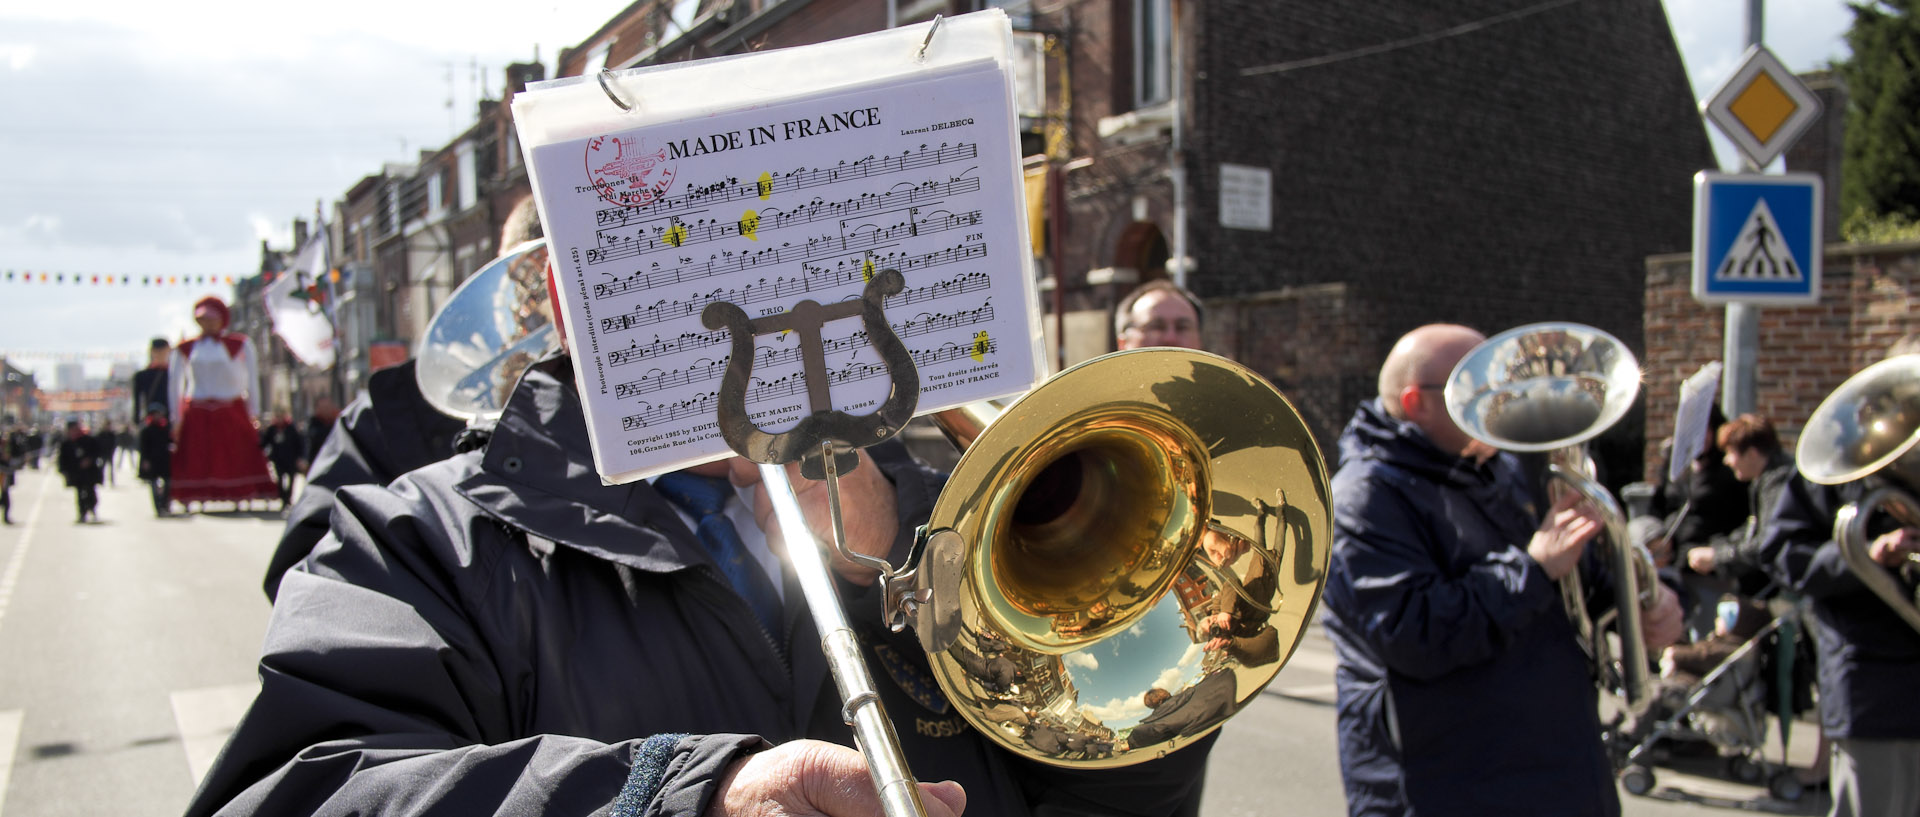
(763,207)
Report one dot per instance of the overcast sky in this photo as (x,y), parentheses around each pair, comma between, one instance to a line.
(171,138)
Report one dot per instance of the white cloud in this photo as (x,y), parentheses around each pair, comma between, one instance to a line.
(1120,712)
(16,56)
(1083,660)
(1173,678)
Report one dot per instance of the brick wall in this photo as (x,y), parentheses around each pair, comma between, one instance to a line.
(1521,172)
(1869,298)
(1307,341)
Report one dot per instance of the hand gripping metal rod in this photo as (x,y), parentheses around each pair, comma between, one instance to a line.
(899,792)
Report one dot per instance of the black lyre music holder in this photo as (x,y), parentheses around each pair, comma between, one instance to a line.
(825,425)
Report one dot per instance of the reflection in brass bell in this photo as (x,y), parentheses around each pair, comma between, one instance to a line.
(1125,557)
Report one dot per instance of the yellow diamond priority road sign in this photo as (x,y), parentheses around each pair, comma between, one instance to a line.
(1763,107)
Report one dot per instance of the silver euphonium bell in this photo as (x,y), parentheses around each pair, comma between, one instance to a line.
(1869,428)
(1550,387)
(495,325)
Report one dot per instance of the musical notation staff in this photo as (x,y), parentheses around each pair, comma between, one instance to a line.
(767,358)
(687,342)
(979,348)
(679,234)
(846,271)
(795,383)
(664,310)
(732,189)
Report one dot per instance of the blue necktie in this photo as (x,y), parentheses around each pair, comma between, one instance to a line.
(705,498)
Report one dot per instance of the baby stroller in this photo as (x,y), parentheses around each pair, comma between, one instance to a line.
(1726,708)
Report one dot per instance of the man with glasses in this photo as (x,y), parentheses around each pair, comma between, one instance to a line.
(1157,313)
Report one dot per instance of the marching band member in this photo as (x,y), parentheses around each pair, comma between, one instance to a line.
(1462,687)
(1869,657)
(500,632)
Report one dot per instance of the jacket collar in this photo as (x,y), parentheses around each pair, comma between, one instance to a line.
(1373,434)
(537,474)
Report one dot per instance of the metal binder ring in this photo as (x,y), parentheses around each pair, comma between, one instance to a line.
(937,19)
(606,84)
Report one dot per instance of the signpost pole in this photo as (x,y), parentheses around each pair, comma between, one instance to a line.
(1738,394)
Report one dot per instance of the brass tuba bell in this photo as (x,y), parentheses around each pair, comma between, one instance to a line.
(1870,427)
(1124,557)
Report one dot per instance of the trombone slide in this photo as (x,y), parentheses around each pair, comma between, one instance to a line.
(861,707)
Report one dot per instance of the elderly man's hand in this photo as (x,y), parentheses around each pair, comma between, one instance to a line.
(867,511)
(807,778)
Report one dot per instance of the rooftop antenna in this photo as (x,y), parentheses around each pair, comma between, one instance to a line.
(451,129)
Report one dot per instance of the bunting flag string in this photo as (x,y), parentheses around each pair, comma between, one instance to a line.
(37,278)
(73,356)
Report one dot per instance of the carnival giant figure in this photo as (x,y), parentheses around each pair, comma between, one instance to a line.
(214,382)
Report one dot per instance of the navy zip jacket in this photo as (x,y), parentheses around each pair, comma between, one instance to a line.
(1869,657)
(1462,689)
(500,633)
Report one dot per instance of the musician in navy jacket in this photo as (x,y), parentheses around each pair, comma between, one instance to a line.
(1462,688)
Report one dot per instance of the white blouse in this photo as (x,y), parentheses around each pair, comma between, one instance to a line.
(202,370)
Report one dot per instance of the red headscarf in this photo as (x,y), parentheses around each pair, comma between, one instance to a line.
(219,309)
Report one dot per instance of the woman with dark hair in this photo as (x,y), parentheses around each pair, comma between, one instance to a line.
(1754,455)
(214,381)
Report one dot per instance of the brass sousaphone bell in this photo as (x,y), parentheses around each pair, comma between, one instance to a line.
(1151,519)
(1870,428)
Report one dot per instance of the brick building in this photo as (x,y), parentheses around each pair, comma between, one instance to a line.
(1491,162)
(403,238)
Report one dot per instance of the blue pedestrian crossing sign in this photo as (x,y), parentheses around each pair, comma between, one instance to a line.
(1756,238)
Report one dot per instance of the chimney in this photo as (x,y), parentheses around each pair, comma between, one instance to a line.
(299,234)
(1819,150)
(521,74)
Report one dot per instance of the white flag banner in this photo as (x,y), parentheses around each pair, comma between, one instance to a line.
(294,302)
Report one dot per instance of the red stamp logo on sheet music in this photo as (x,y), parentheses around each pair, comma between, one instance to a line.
(623,172)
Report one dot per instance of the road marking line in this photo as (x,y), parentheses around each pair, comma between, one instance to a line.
(11,576)
(9,738)
(1313,660)
(1323,692)
(206,718)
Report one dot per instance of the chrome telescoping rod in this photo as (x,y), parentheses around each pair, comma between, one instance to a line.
(860,702)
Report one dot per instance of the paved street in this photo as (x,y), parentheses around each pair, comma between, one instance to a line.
(127,650)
